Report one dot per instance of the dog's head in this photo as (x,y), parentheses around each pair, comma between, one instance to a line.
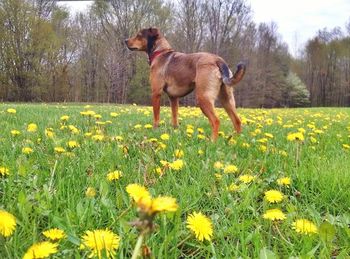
(144,40)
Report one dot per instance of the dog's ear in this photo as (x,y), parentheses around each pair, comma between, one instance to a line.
(152,36)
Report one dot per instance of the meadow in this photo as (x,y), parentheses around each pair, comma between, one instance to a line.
(107,183)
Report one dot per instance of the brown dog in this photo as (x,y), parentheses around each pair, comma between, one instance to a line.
(178,74)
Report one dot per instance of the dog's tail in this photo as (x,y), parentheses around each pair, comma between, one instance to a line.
(227,77)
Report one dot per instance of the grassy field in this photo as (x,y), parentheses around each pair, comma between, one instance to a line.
(55,176)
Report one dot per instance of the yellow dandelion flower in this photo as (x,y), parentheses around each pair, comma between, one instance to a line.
(164,136)
(298,136)
(230,169)
(7,223)
(246,178)
(138,192)
(233,187)
(64,118)
(27,150)
(346,146)
(41,250)
(115,175)
(246,145)
(15,132)
(200,152)
(218,165)
(273,196)
(97,137)
(284,181)
(269,135)
(59,150)
(178,153)
(32,127)
(72,144)
(11,110)
(304,226)
(90,192)
(138,126)
(54,234)
(73,129)
(201,226)
(274,214)
(177,165)
(148,126)
(49,133)
(189,131)
(4,171)
(164,204)
(99,242)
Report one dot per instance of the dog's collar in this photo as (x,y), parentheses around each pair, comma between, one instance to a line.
(155,54)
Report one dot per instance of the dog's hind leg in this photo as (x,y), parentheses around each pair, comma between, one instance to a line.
(174,103)
(228,102)
(207,90)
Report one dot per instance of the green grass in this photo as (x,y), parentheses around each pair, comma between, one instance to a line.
(45,190)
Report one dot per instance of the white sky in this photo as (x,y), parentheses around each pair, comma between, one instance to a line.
(297,20)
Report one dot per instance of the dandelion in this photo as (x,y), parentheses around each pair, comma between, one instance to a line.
(15,132)
(178,153)
(54,234)
(7,223)
(304,226)
(284,181)
(115,175)
(189,131)
(114,114)
(138,192)
(274,214)
(273,196)
(49,132)
(99,242)
(88,113)
(200,225)
(59,150)
(246,178)
(230,169)
(269,135)
(72,144)
(148,126)
(11,110)
(200,152)
(90,192)
(73,129)
(27,150)
(164,136)
(32,127)
(176,165)
(233,187)
(97,137)
(4,171)
(298,136)
(163,204)
(64,118)
(346,146)
(41,250)
(218,165)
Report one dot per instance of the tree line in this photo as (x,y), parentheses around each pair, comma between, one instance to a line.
(49,55)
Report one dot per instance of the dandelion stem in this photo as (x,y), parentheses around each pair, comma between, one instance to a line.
(181,243)
(124,212)
(284,239)
(52,175)
(138,245)
(213,249)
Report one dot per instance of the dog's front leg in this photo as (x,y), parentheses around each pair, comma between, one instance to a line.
(174,103)
(156,109)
